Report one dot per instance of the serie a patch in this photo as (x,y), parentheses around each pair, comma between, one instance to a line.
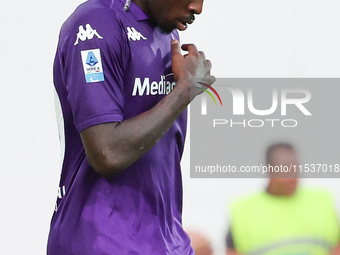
(92,64)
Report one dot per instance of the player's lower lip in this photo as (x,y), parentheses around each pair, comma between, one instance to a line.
(182,26)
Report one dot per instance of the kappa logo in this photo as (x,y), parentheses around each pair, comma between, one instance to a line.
(89,33)
(134,35)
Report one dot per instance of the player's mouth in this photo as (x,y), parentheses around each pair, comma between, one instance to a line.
(183,24)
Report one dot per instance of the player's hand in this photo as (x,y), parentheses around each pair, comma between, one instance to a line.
(192,69)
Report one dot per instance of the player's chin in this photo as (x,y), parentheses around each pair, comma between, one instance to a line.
(167,28)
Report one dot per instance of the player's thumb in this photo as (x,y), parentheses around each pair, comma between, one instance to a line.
(175,48)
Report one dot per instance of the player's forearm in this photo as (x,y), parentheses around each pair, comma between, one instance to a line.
(114,147)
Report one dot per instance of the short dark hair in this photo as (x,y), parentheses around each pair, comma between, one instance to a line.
(276,146)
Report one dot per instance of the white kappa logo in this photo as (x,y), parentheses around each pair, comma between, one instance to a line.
(89,33)
(134,35)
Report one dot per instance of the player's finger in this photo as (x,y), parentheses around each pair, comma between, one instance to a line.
(208,63)
(209,80)
(191,48)
(202,54)
(212,78)
(175,48)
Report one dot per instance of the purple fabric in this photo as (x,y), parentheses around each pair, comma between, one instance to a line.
(139,210)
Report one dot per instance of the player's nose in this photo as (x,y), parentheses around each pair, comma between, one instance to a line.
(196,6)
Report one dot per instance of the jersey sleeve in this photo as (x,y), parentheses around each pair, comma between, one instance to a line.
(93,53)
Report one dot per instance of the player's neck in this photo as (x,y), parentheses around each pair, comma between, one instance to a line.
(144,5)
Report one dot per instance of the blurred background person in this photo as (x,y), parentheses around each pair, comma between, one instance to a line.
(284,219)
(200,243)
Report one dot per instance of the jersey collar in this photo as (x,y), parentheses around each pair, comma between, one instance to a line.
(136,12)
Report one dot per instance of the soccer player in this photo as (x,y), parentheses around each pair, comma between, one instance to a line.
(123,88)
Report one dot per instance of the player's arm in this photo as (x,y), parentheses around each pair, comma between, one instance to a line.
(112,147)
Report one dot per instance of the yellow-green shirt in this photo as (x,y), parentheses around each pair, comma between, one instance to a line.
(303,224)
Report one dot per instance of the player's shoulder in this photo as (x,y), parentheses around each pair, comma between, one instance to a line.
(101,15)
(98,9)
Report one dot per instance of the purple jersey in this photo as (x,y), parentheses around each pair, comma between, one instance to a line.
(112,65)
